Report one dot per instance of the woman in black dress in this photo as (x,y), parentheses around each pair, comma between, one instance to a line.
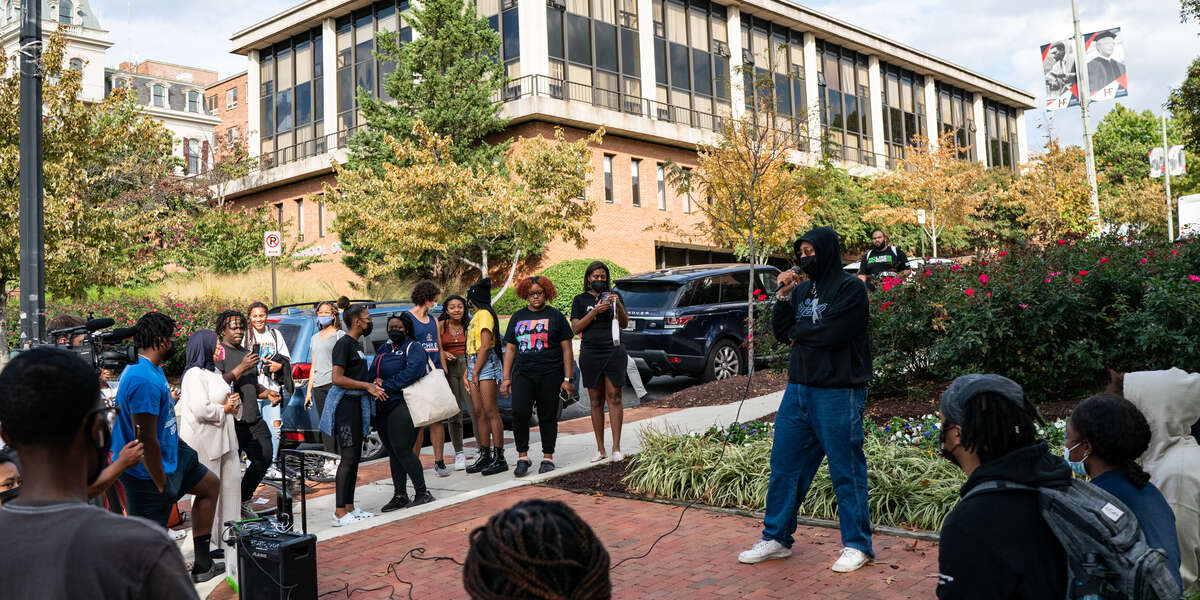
(602,358)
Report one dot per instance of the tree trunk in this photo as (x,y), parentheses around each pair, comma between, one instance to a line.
(512,270)
(750,333)
(933,232)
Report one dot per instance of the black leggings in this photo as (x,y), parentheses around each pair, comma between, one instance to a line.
(398,435)
(255,440)
(542,391)
(347,429)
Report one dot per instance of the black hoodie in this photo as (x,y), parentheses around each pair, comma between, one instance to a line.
(996,545)
(825,321)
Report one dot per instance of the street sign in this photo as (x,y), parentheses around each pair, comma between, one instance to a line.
(272,243)
(920,216)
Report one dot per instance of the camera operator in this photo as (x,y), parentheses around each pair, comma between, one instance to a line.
(67,322)
(58,547)
(882,259)
(170,468)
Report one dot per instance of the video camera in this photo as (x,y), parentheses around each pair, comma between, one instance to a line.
(99,348)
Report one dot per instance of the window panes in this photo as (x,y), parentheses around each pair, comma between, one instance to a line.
(956,114)
(159,95)
(602,51)
(635,165)
(357,40)
(662,187)
(608,178)
(291,95)
(903,93)
(778,79)
(1001,133)
(844,93)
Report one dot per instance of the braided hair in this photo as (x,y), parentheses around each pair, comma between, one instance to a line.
(537,549)
(994,426)
(152,328)
(223,319)
(1117,431)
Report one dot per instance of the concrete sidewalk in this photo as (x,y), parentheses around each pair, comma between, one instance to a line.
(572,453)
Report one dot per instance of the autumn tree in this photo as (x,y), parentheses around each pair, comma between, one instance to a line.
(426,202)
(936,180)
(1138,207)
(1053,195)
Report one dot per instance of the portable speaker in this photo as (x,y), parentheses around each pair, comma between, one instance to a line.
(275,565)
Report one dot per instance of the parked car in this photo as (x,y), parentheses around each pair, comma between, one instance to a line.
(913,263)
(690,320)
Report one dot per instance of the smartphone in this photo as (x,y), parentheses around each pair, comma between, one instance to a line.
(256,348)
(137,431)
(605,296)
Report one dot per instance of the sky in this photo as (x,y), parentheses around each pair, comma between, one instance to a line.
(1000,39)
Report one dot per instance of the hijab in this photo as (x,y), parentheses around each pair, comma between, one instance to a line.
(200,348)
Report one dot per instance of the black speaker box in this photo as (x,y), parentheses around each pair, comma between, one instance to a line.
(276,565)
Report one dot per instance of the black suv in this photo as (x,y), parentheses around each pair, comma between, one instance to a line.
(690,320)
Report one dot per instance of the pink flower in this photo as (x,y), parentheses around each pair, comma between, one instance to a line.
(1023,306)
(927,273)
(1062,242)
(956,267)
(1075,279)
(1003,253)
(983,263)
(1083,273)
(885,306)
(1195,278)
(1143,261)
(1104,260)
(983,279)
(969,291)
(1047,280)
(1174,252)
(989,294)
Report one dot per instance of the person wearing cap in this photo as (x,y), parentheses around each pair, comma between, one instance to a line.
(997,545)
(1103,69)
(824,320)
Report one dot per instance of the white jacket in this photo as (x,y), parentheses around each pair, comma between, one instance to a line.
(1170,401)
(203,423)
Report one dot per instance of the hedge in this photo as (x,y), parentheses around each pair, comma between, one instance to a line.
(568,280)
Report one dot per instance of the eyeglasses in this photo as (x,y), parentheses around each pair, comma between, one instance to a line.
(533,293)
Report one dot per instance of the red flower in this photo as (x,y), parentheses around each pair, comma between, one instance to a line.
(983,263)
(1104,260)
(1083,273)
(1003,253)
(956,267)
(885,306)
(1174,252)
(1195,278)
(989,294)
(1062,242)
(1143,261)
(983,279)
(969,291)
(1023,306)
(1075,279)
(1046,280)
(757,291)
(927,273)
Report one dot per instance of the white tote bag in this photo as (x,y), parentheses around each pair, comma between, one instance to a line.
(430,400)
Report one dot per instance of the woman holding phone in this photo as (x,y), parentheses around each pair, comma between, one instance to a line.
(275,357)
(598,315)
(452,337)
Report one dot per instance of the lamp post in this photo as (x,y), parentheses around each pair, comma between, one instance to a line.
(33,272)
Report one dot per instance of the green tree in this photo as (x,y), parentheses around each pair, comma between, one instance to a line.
(1123,141)
(1184,103)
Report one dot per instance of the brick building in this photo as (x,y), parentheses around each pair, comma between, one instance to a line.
(656,74)
(227,99)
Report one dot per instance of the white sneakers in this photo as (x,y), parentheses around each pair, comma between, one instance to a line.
(361,514)
(460,462)
(764,550)
(353,516)
(850,560)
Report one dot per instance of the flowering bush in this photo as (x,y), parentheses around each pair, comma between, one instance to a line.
(1051,319)
(923,432)
(740,433)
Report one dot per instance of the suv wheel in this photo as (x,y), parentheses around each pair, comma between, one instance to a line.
(724,361)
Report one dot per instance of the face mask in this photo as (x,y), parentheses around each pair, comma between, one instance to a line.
(325,321)
(946,454)
(1076,467)
(369,328)
(396,335)
(808,264)
(9,495)
(600,285)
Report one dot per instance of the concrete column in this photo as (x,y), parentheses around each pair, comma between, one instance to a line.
(931,122)
(329,81)
(812,93)
(645,32)
(875,94)
(253,108)
(535,47)
(1022,140)
(737,86)
(979,138)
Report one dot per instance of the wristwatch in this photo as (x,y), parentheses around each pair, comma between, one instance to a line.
(566,380)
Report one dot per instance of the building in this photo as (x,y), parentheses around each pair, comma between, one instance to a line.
(86,42)
(174,95)
(654,73)
(227,100)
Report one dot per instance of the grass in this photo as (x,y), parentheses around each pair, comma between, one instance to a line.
(909,487)
(291,287)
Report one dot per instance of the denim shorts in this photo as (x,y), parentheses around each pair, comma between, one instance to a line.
(492,369)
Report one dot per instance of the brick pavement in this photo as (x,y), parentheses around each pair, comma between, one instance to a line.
(697,562)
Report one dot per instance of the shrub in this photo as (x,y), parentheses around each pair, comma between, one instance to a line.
(1050,320)
(568,280)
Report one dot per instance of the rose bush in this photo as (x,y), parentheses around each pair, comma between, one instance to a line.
(1051,320)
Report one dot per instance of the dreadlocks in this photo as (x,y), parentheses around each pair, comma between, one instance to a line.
(223,319)
(537,549)
(152,328)
(994,426)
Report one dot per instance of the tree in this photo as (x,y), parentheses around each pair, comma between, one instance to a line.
(1137,205)
(756,202)
(426,202)
(1053,195)
(232,161)
(1123,142)
(935,180)
(1184,104)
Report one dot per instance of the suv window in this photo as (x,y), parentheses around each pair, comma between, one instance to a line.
(647,294)
(705,290)
(289,331)
(768,281)
(734,288)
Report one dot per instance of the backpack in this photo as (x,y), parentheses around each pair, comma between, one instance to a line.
(1107,554)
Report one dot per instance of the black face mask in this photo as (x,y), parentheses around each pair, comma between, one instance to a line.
(369,328)
(599,285)
(9,495)
(946,454)
(808,264)
(396,335)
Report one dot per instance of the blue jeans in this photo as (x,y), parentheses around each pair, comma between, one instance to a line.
(814,423)
(273,416)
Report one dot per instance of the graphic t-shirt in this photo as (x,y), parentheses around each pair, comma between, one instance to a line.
(890,258)
(270,344)
(598,334)
(426,334)
(480,321)
(246,385)
(143,391)
(348,354)
(538,336)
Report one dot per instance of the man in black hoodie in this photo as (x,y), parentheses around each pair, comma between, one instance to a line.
(997,545)
(824,319)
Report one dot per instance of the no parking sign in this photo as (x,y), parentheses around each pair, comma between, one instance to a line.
(272,243)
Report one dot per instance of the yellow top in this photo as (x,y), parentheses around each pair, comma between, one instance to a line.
(479,321)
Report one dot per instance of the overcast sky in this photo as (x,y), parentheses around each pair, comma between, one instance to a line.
(997,38)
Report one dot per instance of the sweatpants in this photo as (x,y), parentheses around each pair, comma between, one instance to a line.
(540,391)
(398,435)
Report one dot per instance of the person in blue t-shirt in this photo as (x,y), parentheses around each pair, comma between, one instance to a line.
(1105,437)
(170,468)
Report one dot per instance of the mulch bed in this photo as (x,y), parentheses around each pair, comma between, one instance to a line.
(601,479)
(724,391)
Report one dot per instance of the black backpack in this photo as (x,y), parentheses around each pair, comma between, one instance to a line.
(1107,554)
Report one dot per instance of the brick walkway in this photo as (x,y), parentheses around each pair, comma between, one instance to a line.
(698,561)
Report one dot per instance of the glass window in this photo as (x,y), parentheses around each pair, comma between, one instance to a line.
(193,102)
(702,72)
(635,165)
(706,290)
(647,294)
(230,98)
(630,55)
(845,119)
(679,66)
(511,34)
(662,187)
(159,95)
(606,46)
(579,39)
(608,178)
(65,12)
(955,109)
(735,287)
(554,31)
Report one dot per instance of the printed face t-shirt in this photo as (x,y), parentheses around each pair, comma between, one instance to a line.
(598,334)
(143,391)
(538,336)
(480,321)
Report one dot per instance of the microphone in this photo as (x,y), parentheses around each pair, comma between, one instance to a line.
(98,324)
(795,269)
(117,335)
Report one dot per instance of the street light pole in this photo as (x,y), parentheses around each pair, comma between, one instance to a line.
(33,273)
(1085,98)
(1167,174)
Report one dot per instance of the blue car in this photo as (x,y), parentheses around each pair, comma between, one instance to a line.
(690,320)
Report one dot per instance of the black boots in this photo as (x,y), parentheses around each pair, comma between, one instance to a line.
(498,464)
(485,458)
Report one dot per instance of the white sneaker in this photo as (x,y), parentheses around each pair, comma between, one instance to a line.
(850,560)
(273,473)
(617,456)
(346,519)
(765,550)
(460,461)
(360,514)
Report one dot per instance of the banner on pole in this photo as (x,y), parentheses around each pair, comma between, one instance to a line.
(1175,162)
(272,243)
(1104,60)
